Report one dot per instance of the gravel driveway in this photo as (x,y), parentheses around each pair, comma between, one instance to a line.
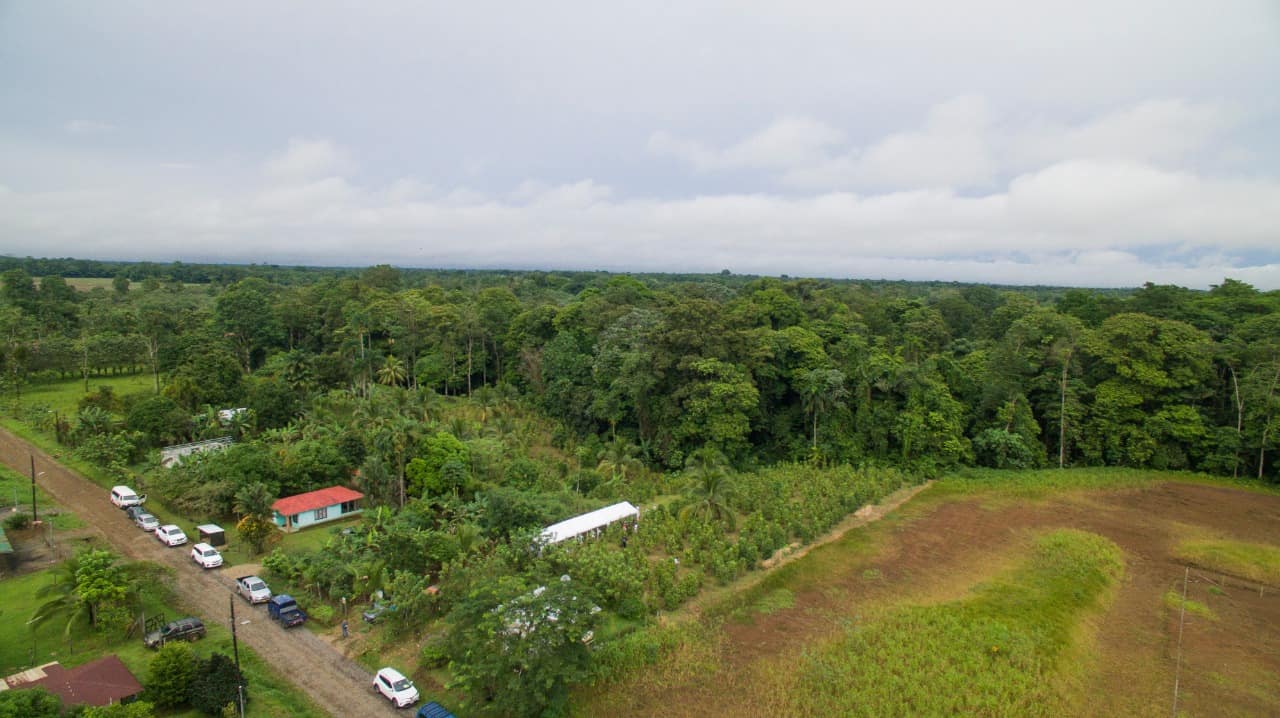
(333,682)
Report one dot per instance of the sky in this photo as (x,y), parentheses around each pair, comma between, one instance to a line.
(1079,143)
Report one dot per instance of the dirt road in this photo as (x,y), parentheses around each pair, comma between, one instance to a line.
(333,682)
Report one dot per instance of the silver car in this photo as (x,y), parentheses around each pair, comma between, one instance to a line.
(146,522)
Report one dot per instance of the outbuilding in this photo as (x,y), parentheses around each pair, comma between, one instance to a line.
(590,522)
(314,507)
(212,534)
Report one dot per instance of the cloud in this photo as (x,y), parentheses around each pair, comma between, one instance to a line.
(307,158)
(962,143)
(1077,222)
(87,127)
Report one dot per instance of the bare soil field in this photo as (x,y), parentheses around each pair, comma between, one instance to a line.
(339,685)
(939,549)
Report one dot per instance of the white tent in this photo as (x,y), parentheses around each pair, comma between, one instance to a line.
(579,525)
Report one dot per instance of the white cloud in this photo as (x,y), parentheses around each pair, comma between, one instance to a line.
(961,144)
(307,158)
(1086,222)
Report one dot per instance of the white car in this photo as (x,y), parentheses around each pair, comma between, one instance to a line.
(395,687)
(206,555)
(171,535)
(124,497)
(147,522)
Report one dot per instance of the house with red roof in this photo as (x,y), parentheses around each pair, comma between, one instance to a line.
(315,507)
(97,683)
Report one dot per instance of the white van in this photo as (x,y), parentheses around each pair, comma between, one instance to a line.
(124,497)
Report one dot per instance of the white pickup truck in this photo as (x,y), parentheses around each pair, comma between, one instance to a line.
(253,589)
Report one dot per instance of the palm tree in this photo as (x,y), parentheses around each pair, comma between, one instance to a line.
(708,470)
(617,458)
(821,390)
(63,600)
(392,372)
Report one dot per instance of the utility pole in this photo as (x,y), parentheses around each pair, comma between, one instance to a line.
(34,518)
(235,648)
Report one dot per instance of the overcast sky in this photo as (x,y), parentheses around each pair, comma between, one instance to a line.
(1089,143)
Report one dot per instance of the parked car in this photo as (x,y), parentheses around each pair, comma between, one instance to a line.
(133,512)
(395,687)
(123,497)
(206,555)
(374,612)
(253,589)
(146,521)
(284,609)
(183,629)
(431,709)
(171,535)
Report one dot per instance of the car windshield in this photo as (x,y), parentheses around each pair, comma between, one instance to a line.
(209,552)
(256,585)
(403,684)
(146,517)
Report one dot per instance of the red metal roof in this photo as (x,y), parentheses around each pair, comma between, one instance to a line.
(317,499)
(97,683)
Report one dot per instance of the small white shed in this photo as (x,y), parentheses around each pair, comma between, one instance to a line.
(589,522)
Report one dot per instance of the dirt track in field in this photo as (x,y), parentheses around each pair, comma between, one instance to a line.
(333,682)
(938,550)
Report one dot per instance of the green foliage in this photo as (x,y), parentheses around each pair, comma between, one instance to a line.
(257,531)
(427,474)
(172,673)
(215,684)
(136,709)
(29,703)
(516,648)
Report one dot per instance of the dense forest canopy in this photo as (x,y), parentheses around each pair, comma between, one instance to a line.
(924,376)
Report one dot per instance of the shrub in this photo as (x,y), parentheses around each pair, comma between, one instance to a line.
(17,521)
(172,671)
(322,613)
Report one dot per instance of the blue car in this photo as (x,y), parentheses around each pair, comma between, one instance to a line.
(433,710)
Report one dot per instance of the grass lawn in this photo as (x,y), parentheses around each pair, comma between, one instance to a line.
(15,490)
(20,648)
(63,396)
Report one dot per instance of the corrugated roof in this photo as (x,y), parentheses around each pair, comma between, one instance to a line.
(578,525)
(317,499)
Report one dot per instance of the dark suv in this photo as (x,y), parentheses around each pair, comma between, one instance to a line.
(183,629)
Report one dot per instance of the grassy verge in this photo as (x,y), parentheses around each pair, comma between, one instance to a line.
(994,653)
(1255,562)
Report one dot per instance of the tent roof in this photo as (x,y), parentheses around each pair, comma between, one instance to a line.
(579,525)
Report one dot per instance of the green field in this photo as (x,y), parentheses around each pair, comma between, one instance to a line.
(63,396)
